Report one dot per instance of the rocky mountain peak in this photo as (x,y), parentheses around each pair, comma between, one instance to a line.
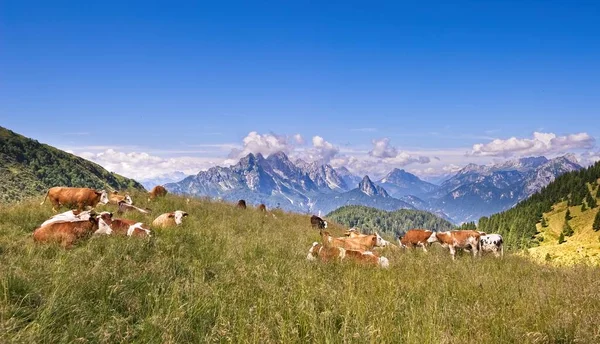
(367,187)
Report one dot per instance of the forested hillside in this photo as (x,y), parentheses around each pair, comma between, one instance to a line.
(518,225)
(391,222)
(28,168)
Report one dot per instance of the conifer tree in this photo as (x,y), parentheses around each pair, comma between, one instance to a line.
(567,230)
(544,223)
(568,215)
(561,238)
(591,201)
(596,225)
(583,207)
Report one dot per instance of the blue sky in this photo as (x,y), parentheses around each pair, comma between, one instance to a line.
(188,81)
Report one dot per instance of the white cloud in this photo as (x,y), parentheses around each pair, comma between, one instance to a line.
(299,139)
(141,165)
(265,144)
(540,144)
(383,149)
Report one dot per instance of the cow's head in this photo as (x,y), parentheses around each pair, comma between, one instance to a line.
(104,220)
(324,224)
(313,252)
(128,200)
(378,240)
(178,215)
(103,197)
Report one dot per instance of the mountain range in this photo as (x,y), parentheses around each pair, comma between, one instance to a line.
(472,192)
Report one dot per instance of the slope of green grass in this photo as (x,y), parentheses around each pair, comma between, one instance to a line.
(231,275)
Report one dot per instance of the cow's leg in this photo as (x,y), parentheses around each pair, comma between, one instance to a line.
(475,250)
(424,247)
(452,252)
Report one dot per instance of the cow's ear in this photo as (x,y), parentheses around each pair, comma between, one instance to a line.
(374,239)
(171,214)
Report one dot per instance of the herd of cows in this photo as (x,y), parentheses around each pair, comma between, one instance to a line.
(73,225)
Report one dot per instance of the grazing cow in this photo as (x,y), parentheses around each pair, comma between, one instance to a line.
(75,197)
(170,219)
(124,207)
(458,239)
(115,198)
(157,191)
(67,233)
(317,222)
(492,243)
(414,238)
(262,208)
(69,216)
(124,227)
(241,204)
(365,243)
(325,254)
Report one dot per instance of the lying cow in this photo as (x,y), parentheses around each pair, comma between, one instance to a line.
(170,219)
(123,227)
(75,197)
(415,238)
(157,191)
(354,233)
(458,239)
(67,233)
(492,243)
(115,198)
(241,204)
(325,254)
(317,222)
(124,207)
(69,216)
(365,243)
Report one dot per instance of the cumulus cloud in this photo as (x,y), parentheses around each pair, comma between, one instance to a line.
(299,139)
(383,149)
(141,165)
(539,144)
(264,144)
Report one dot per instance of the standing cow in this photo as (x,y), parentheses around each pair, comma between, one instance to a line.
(75,197)
(317,222)
(157,191)
(458,239)
(416,238)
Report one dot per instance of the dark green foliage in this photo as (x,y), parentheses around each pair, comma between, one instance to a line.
(396,222)
(517,225)
(596,225)
(468,226)
(583,207)
(591,201)
(29,168)
(561,238)
(567,229)
(544,223)
(568,215)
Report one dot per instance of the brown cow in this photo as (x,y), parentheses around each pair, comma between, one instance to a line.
(67,233)
(458,239)
(75,197)
(115,198)
(326,253)
(365,243)
(157,191)
(262,208)
(317,222)
(241,204)
(125,227)
(416,237)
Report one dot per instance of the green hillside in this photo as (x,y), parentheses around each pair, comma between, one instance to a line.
(28,168)
(520,225)
(236,276)
(392,222)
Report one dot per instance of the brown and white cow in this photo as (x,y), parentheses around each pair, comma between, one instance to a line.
(69,216)
(415,238)
(458,239)
(492,243)
(75,197)
(171,219)
(157,191)
(365,243)
(124,207)
(123,227)
(317,222)
(67,233)
(355,233)
(115,198)
(328,253)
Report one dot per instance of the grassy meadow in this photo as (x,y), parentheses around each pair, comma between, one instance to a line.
(232,275)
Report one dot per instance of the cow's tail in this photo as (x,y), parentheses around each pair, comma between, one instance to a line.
(47,192)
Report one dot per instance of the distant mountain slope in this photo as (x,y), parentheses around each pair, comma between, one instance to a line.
(401,183)
(518,225)
(395,222)
(347,176)
(477,191)
(367,194)
(28,168)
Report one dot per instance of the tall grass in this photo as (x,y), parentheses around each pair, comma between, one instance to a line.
(231,275)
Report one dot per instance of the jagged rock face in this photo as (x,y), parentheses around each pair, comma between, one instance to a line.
(367,187)
(401,183)
(348,177)
(324,176)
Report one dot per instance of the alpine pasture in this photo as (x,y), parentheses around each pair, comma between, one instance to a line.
(236,275)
